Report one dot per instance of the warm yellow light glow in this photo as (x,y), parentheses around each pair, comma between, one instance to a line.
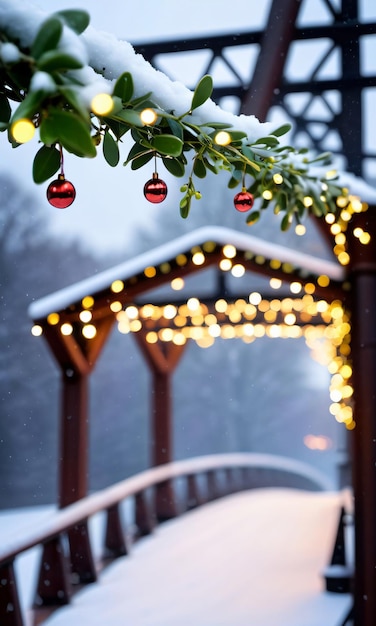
(169,311)
(275,283)
(267,194)
(198,258)
(36,330)
(150,271)
(177,284)
(278,179)
(181,260)
(22,130)
(290,319)
(221,306)
(117,286)
(116,306)
(166,334)
(344,258)
(295,287)
(87,302)
(193,304)
(214,330)
(300,230)
(179,339)
(53,319)
(307,201)
(152,337)
(330,218)
(135,326)
(66,329)
(222,138)
(102,104)
(365,238)
(225,265)
(238,270)
(323,280)
(89,331)
(131,312)
(254,298)
(229,251)
(275,264)
(85,316)
(148,117)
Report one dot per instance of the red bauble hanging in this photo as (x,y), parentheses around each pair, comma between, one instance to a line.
(155,189)
(243,200)
(61,193)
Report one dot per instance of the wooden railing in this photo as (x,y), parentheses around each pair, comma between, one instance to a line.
(67,559)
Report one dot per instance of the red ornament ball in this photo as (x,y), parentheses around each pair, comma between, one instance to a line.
(243,201)
(61,193)
(155,190)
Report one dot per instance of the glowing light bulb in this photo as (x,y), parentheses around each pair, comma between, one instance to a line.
(23,130)
(148,117)
(102,104)
(222,138)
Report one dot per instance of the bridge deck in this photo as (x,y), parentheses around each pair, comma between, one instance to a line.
(254,557)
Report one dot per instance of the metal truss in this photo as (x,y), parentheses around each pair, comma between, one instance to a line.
(329,100)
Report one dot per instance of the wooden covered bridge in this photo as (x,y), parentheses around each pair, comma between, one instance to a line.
(153,297)
(142,297)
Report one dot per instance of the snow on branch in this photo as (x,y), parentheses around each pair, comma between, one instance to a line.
(83,90)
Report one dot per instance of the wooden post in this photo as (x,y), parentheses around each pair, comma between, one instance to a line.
(74,439)
(162,358)
(363,278)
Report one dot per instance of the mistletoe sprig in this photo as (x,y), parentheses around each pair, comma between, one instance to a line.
(41,86)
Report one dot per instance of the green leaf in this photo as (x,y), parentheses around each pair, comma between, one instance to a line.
(167,144)
(141,100)
(110,150)
(77,20)
(128,116)
(47,37)
(58,61)
(217,125)
(286,222)
(46,164)
(74,101)
(176,128)
(209,165)
(202,92)
(267,141)
(141,160)
(124,87)
(70,131)
(174,166)
(30,106)
(5,110)
(282,130)
(199,168)
(253,217)
(185,206)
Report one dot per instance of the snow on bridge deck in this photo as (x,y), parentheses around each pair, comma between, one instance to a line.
(252,558)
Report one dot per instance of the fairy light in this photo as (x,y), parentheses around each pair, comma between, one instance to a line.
(66,329)
(225,265)
(117,286)
(53,319)
(89,331)
(148,117)
(22,130)
(177,284)
(278,179)
(36,330)
(300,230)
(198,258)
(222,138)
(87,302)
(229,251)
(267,194)
(85,316)
(150,272)
(102,104)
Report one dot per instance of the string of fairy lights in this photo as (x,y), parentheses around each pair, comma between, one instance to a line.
(325,325)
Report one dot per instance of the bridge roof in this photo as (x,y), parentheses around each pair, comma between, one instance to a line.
(177,257)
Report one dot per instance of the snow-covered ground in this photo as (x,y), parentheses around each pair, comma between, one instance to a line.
(255,557)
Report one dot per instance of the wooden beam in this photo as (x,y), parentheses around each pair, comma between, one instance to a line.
(363,279)
(271,60)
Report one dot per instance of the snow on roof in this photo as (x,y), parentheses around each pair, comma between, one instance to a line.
(65,297)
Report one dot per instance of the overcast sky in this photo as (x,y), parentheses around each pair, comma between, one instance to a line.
(109,201)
